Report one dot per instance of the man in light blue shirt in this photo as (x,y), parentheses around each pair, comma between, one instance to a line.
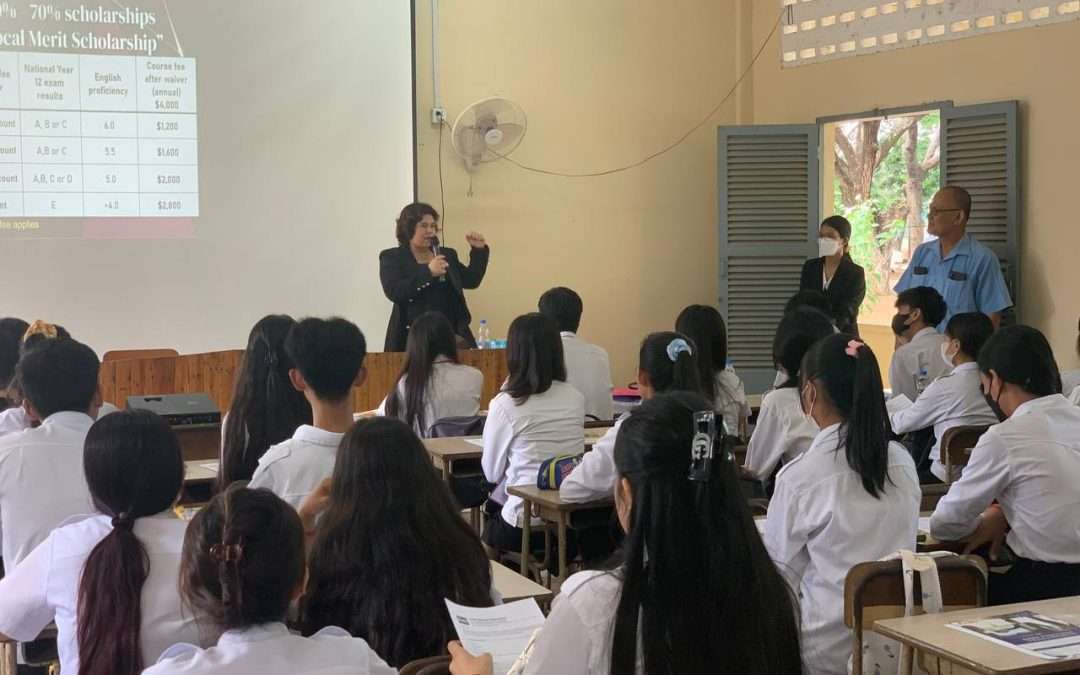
(965,272)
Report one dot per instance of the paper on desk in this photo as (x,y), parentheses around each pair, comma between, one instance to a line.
(212,466)
(924,524)
(479,442)
(1029,632)
(504,631)
(898,403)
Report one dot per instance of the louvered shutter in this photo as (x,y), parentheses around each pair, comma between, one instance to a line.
(768,204)
(980,153)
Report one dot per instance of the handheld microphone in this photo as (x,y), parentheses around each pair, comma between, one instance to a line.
(435,252)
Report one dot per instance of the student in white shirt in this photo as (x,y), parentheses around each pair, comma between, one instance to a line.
(266,408)
(588,368)
(953,400)
(708,334)
(666,362)
(537,416)
(243,565)
(41,475)
(695,591)
(433,384)
(917,360)
(11,333)
(109,581)
(391,547)
(1029,464)
(328,357)
(853,496)
(1070,379)
(783,432)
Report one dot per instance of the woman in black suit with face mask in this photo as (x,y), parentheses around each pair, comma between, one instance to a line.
(836,275)
(417,278)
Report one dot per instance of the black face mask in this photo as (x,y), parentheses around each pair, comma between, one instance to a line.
(899,323)
(994,406)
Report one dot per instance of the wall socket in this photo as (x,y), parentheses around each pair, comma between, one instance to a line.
(438,116)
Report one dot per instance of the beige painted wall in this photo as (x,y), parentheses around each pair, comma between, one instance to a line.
(1036,66)
(604,82)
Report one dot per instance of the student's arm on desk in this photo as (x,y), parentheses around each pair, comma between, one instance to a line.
(984,479)
(594,478)
(927,410)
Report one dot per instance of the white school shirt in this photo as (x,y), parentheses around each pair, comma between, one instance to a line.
(1030,464)
(453,390)
(731,401)
(822,522)
(44,587)
(1074,397)
(1070,380)
(588,369)
(293,469)
(270,649)
(952,400)
(41,481)
(595,477)
(576,638)
(17,419)
(924,351)
(782,432)
(517,438)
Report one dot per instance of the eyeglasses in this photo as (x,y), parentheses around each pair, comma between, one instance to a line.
(937,212)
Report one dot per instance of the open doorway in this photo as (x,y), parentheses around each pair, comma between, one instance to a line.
(880,172)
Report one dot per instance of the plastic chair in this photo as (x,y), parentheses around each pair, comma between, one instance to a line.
(875,590)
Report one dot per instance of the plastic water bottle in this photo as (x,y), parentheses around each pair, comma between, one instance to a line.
(483,336)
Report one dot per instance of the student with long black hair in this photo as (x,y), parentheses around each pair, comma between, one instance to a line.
(11,333)
(537,416)
(109,581)
(433,383)
(390,547)
(1029,464)
(694,591)
(243,564)
(783,432)
(708,333)
(666,362)
(853,496)
(266,408)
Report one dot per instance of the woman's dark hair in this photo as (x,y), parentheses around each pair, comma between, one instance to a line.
(665,374)
(410,216)
(266,409)
(134,469)
(708,333)
(534,356)
(698,587)
(853,385)
(431,336)
(11,333)
(840,224)
(797,332)
(391,547)
(972,330)
(243,558)
(1021,355)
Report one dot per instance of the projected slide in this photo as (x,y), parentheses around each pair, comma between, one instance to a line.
(95,122)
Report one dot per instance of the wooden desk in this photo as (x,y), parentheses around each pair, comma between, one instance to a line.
(9,651)
(198,482)
(928,633)
(202,442)
(512,586)
(547,505)
(445,451)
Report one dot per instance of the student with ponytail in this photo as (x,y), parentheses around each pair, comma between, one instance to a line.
(853,496)
(694,591)
(666,362)
(433,383)
(708,334)
(125,610)
(266,408)
(243,564)
(1030,465)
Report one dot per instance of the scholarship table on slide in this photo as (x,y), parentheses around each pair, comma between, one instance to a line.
(97,136)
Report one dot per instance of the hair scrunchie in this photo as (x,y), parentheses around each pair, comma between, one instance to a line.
(676,347)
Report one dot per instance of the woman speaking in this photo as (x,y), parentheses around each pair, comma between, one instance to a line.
(420,276)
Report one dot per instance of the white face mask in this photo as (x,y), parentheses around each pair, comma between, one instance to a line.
(827,247)
(945,354)
(809,414)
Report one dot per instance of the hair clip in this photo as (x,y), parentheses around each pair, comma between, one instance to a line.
(852,348)
(703,446)
(676,347)
(40,327)
(226,553)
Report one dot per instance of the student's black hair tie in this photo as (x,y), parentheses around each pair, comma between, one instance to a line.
(123,522)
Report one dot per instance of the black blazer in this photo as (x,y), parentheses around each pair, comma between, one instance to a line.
(406,283)
(845,292)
